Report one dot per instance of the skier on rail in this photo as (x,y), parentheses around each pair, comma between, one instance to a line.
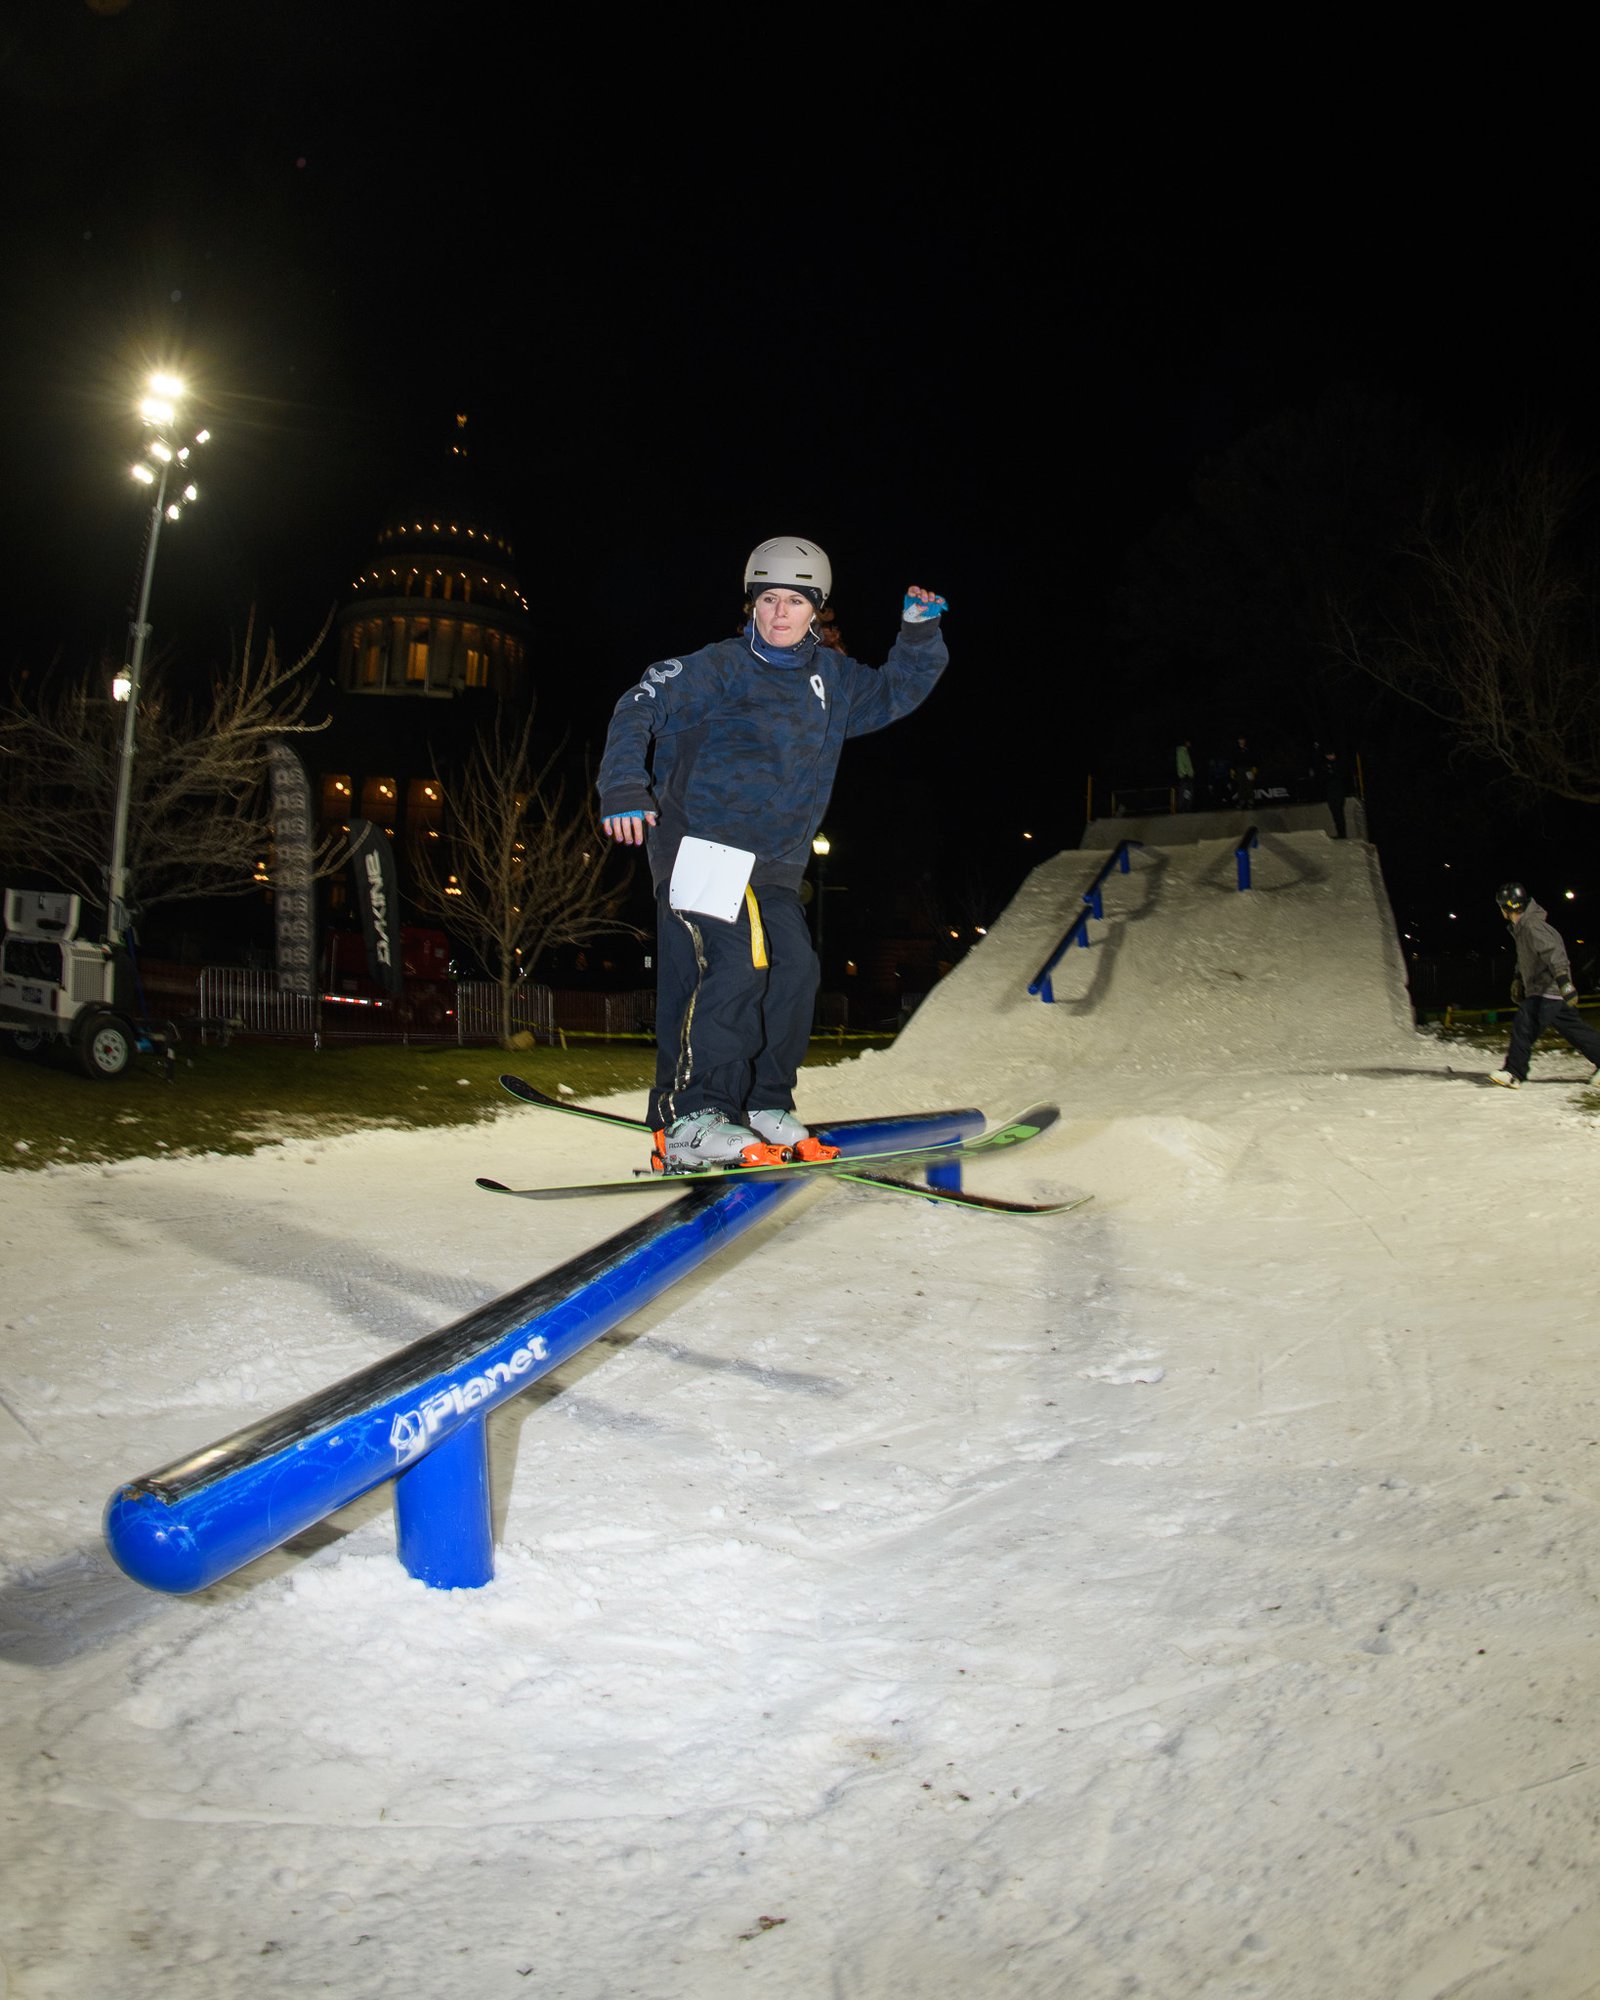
(736,746)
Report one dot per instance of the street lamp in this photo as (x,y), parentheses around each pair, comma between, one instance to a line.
(165,462)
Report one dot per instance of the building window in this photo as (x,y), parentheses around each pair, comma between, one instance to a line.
(335,796)
(475,661)
(424,804)
(378,796)
(417,654)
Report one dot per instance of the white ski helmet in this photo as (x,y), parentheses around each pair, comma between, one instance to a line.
(787,560)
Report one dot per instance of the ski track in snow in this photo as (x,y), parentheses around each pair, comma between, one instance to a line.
(1194,1595)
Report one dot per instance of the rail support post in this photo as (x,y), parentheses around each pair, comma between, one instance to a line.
(444,1528)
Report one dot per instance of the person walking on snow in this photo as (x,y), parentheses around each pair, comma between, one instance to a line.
(1542,988)
(737,745)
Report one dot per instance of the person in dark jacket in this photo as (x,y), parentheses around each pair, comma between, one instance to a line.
(733,749)
(1542,988)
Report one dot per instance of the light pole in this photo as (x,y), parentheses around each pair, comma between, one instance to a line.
(159,412)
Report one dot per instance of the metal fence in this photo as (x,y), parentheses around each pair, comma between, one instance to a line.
(235,1000)
(478,1011)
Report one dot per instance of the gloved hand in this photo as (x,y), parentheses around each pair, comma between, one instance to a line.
(921,605)
(1568,991)
(1516,989)
(628,827)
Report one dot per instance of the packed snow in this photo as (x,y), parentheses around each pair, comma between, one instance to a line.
(1194,1594)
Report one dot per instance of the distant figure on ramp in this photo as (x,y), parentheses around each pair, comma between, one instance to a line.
(1542,988)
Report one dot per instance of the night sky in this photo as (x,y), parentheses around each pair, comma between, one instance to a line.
(968,312)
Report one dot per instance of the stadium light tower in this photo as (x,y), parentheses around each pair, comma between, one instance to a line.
(164,465)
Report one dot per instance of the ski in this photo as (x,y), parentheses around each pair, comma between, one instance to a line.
(991,1204)
(530,1093)
(644,1178)
(1028,1125)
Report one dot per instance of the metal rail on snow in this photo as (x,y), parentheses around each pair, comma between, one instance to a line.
(418,1417)
(1078,929)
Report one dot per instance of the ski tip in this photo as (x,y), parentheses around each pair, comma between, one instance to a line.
(494,1187)
(1037,1118)
(530,1093)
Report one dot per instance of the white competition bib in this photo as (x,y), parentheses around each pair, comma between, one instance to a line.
(710,880)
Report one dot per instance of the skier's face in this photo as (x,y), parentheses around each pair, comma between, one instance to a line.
(783,617)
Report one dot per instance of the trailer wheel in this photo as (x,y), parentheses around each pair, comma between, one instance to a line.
(105,1045)
(31,1047)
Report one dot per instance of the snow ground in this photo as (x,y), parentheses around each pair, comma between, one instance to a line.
(1195,1595)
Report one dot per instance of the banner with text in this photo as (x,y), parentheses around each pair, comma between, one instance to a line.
(293,897)
(372,860)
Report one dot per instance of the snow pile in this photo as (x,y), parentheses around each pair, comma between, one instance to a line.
(1194,1594)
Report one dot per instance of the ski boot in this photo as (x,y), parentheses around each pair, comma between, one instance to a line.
(1505,1079)
(782,1128)
(703,1141)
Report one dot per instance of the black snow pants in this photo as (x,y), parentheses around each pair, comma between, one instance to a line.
(1534,1017)
(731,1034)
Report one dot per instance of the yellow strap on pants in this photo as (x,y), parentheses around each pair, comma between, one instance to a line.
(758,936)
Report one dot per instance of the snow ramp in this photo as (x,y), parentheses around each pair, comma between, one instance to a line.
(1186,972)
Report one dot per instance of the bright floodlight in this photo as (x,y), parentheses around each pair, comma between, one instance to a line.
(191,493)
(121,685)
(144,475)
(155,411)
(162,384)
(161,451)
(202,437)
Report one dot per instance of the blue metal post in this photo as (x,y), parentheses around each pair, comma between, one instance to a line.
(444,1529)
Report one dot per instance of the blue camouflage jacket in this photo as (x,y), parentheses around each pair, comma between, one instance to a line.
(733,747)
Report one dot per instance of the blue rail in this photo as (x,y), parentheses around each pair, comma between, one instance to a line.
(1078,928)
(1251,837)
(418,1418)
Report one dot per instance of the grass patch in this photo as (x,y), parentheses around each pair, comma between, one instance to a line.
(251,1094)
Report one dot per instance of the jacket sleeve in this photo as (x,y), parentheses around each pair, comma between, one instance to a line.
(673,694)
(904,681)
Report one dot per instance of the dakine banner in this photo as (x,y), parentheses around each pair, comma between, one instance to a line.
(372,861)
(293,838)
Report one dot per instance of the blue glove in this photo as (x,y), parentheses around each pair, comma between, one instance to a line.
(921,606)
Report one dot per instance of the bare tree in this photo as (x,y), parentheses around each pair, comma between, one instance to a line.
(1498,638)
(517,871)
(199,816)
